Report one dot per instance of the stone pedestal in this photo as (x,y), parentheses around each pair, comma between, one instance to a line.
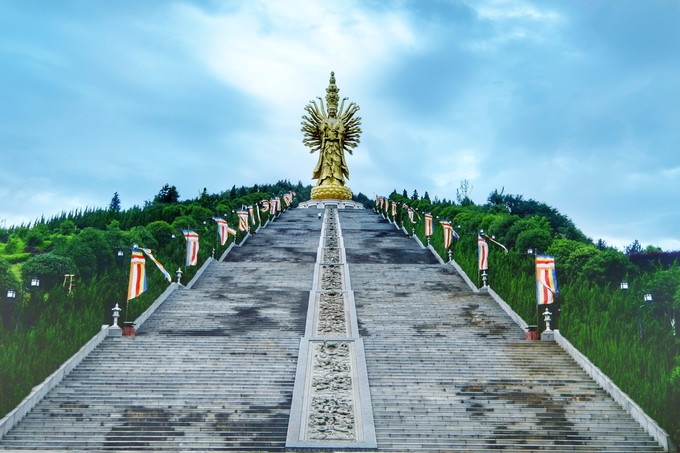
(114,331)
(548,335)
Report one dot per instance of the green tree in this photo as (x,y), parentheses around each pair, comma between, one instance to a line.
(184,222)
(162,232)
(200,213)
(579,256)
(500,224)
(48,267)
(664,285)
(7,279)
(633,248)
(608,266)
(114,205)
(525,224)
(14,244)
(537,239)
(67,227)
(172,211)
(167,194)
(140,235)
(78,250)
(37,235)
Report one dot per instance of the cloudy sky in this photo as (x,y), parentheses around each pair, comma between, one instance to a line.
(572,103)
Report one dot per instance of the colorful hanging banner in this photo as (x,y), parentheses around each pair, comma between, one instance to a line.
(394,210)
(448,233)
(410,215)
(288,199)
(497,243)
(137,280)
(483,252)
(167,275)
(546,279)
(252,215)
(428,225)
(222,227)
(192,247)
(242,220)
(265,205)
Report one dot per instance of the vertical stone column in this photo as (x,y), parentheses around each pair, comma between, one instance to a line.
(331,399)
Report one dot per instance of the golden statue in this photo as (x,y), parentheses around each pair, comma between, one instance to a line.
(331,134)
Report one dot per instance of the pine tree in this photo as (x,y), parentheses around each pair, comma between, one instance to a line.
(114,206)
(167,194)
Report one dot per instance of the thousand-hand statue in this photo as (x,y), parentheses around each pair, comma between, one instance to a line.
(331,131)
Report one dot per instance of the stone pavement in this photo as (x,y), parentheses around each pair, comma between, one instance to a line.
(214,368)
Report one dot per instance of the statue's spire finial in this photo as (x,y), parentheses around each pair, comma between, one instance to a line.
(332,93)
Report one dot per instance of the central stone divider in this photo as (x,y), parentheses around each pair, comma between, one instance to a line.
(331,405)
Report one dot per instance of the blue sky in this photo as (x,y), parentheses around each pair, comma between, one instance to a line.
(572,103)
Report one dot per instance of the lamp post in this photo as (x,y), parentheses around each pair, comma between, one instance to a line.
(12,307)
(647,298)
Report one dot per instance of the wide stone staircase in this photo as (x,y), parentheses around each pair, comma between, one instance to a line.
(214,367)
(450,371)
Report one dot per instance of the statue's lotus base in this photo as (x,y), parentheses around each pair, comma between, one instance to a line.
(331,191)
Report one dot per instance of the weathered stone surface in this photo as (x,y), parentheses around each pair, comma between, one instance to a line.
(213,369)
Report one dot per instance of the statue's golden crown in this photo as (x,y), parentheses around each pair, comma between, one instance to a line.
(332,93)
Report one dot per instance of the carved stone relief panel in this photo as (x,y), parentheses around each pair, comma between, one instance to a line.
(331,255)
(331,412)
(331,277)
(331,316)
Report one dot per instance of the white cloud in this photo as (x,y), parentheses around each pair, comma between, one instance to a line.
(448,171)
(503,10)
(21,203)
(277,51)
